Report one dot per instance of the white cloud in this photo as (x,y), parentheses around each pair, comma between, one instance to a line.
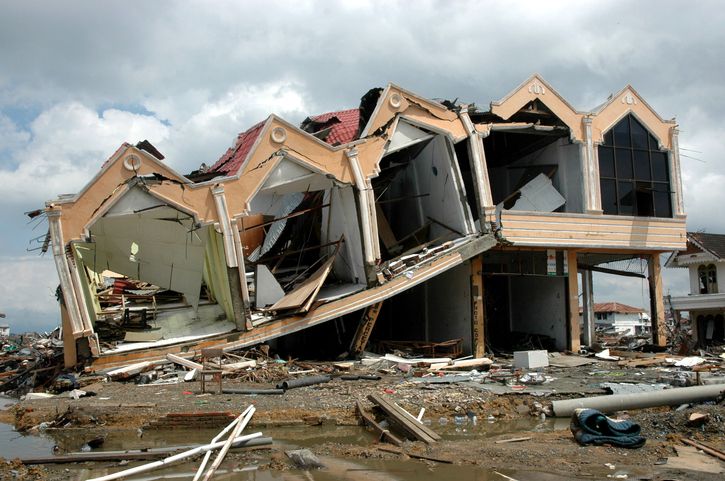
(29,284)
(68,143)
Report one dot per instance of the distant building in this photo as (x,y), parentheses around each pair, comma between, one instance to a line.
(704,257)
(624,319)
(4,330)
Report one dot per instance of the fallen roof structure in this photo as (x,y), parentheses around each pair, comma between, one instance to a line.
(403,197)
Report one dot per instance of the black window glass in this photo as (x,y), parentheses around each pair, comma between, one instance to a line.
(606,162)
(645,204)
(621,133)
(626,198)
(659,166)
(633,172)
(639,135)
(609,138)
(641,164)
(624,163)
(609,196)
(653,144)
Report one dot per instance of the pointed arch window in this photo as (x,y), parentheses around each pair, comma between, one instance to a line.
(707,276)
(634,173)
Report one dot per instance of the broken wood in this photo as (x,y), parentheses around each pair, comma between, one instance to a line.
(172,459)
(365,329)
(465,363)
(184,362)
(705,448)
(478,336)
(130,370)
(302,296)
(405,420)
(512,440)
(383,434)
(390,449)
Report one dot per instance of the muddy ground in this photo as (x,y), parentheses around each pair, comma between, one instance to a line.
(119,407)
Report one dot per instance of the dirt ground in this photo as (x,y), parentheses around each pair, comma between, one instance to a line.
(126,406)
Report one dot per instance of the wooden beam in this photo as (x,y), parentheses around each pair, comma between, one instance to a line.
(604,270)
(70,356)
(406,421)
(478,337)
(365,329)
(657,304)
(572,319)
(384,434)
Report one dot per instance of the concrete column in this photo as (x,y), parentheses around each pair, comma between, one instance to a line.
(478,336)
(588,305)
(590,171)
(678,205)
(656,301)
(572,320)
(480,170)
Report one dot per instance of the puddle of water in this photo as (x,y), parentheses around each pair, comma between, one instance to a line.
(13,444)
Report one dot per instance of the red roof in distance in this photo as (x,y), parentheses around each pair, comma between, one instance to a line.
(343,125)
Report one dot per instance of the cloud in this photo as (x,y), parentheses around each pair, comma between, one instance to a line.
(27,295)
(65,146)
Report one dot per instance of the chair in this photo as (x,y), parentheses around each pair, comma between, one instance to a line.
(209,368)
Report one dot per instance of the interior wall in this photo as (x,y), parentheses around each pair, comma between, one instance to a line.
(437,176)
(538,306)
(568,179)
(449,306)
(341,220)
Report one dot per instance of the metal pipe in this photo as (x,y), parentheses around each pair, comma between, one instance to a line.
(303,381)
(621,402)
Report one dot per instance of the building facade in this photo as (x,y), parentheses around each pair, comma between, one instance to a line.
(704,258)
(424,220)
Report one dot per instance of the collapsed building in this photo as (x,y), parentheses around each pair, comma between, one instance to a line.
(407,219)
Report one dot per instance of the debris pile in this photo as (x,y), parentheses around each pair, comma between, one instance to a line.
(30,361)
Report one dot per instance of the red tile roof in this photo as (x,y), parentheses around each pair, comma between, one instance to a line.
(617,307)
(343,125)
(232,160)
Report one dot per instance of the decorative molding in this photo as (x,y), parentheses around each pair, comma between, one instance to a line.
(132,162)
(395,101)
(537,88)
(278,135)
(629,99)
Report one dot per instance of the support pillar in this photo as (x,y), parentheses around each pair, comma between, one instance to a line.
(364,329)
(70,355)
(572,320)
(588,306)
(478,337)
(656,301)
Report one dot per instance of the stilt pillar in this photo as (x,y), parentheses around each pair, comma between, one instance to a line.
(572,320)
(478,337)
(657,303)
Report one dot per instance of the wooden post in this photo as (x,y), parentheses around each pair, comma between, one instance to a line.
(478,337)
(657,304)
(70,355)
(588,307)
(572,320)
(365,328)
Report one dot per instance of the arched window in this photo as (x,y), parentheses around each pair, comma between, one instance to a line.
(633,172)
(707,277)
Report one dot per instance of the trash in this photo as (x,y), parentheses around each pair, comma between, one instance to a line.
(531,359)
(690,361)
(304,458)
(605,355)
(590,426)
(697,419)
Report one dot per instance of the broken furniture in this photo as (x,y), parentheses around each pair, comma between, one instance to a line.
(216,371)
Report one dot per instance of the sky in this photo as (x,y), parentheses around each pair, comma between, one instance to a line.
(78,78)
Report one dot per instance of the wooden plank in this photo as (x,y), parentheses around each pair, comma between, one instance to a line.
(462,364)
(383,433)
(705,448)
(407,423)
(384,231)
(302,297)
(184,362)
(365,328)
(513,440)
(657,303)
(426,457)
(572,319)
(478,335)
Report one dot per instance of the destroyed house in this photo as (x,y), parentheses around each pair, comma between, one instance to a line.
(406,219)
